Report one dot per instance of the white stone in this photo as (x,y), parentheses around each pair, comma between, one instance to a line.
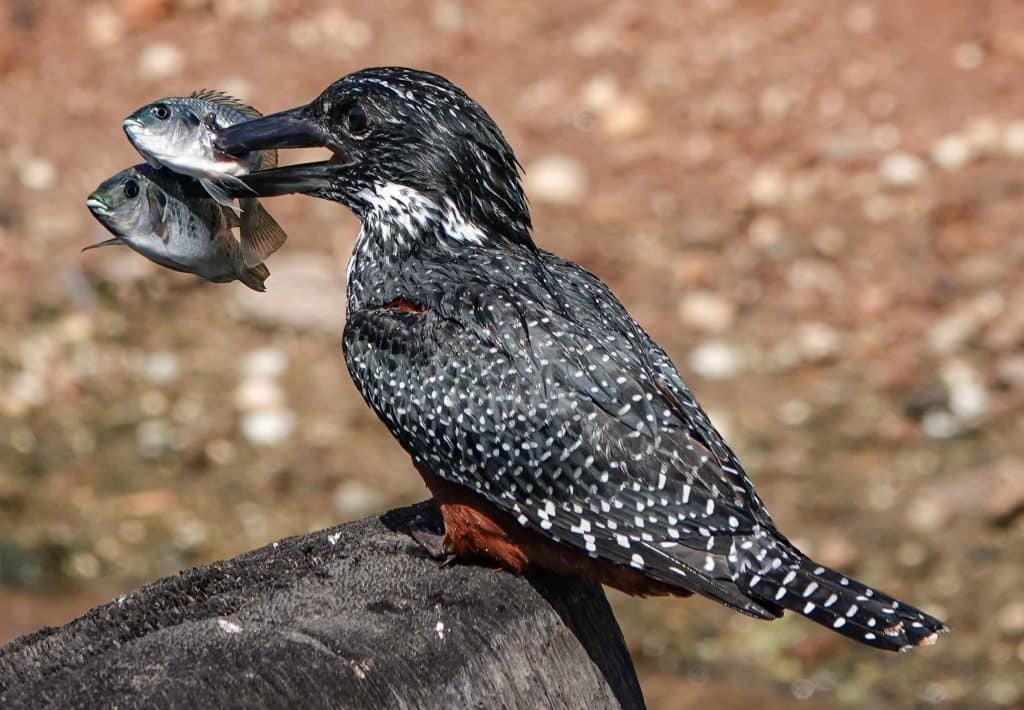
(951,152)
(266,362)
(707,311)
(902,169)
(768,187)
(716,360)
(160,60)
(161,367)
(37,174)
(154,437)
(968,55)
(818,341)
(266,427)
(258,393)
(556,179)
(968,400)
(599,92)
(939,424)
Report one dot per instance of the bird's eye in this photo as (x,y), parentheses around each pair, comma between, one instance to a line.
(131,189)
(161,112)
(356,121)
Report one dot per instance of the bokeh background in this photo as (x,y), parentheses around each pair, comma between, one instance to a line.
(815,206)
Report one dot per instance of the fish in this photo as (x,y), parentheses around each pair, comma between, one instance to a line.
(170,220)
(177,132)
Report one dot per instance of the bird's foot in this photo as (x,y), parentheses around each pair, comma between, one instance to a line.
(430,540)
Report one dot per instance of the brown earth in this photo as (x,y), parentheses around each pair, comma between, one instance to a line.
(815,207)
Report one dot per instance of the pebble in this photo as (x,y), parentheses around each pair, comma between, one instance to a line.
(968,400)
(258,393)
(37,174)
(556,179)
(984,136)
(154,437)
(103,26)
(765,231)
(624,118)
(707,311)
(160,60)
(951,152)
(269,362)
(926,514)
(818,341)
(940,424)
(794,412)
(161,368)
(968,55)
(902,169)
(599,92)
(267,427)
(716,360)
(83,564)
(768,187)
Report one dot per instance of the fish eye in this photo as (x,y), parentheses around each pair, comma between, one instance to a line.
(356,120)
(131,189)
(161,111)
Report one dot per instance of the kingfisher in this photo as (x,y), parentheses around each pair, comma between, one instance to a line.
(549,426)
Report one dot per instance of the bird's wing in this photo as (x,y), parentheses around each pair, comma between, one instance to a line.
(561,426)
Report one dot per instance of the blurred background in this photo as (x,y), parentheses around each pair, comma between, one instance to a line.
(815,206)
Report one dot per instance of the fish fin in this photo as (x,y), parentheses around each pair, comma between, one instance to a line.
(219,97)
(260,233)
(153,162)
(105,243)
(231,215)
(254,277)
(215,188)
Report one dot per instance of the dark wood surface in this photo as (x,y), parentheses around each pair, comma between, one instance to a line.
(352,616)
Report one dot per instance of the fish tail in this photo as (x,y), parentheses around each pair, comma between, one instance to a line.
(260,234)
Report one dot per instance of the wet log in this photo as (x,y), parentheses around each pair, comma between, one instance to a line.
(355,616)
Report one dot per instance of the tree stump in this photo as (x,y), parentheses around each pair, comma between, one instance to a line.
(355,616)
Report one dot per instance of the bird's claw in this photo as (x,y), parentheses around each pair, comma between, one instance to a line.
(430,540)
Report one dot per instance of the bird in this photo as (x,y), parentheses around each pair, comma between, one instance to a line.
(550,428)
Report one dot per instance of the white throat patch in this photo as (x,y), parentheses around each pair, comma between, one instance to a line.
(399,212)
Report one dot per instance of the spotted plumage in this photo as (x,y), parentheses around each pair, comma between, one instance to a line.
(518,379)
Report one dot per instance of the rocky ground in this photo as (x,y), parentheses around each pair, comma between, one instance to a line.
(814,205)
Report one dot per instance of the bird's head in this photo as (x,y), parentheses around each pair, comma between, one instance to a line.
(400,138)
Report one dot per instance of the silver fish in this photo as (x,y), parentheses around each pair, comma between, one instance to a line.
(170,220)
(178,132)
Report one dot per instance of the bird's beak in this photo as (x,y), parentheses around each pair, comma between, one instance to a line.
(286,129)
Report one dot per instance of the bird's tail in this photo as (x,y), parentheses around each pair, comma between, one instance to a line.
(842,604)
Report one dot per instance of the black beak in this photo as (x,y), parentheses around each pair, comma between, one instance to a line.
(286,129)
